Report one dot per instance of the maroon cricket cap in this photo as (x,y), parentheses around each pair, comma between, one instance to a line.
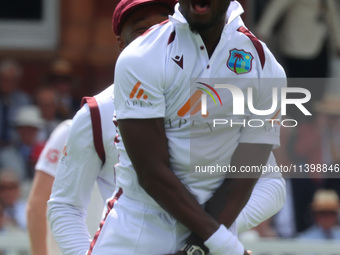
(126,7)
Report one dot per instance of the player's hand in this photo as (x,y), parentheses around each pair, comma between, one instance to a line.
(247,252)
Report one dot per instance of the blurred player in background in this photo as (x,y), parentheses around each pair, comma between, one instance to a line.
(86,160)
(45,171)
(47,165)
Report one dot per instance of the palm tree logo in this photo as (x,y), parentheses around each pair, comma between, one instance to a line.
(240,61)
(237,56)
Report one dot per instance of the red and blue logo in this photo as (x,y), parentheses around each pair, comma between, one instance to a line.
(239,61)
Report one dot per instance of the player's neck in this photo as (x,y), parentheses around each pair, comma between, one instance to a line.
(211,37)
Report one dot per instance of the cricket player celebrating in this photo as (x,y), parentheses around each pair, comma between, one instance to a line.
(159,201)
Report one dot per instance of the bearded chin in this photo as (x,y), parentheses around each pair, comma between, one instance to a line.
(197,28)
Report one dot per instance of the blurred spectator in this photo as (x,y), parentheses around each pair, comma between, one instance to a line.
(61,78)
(306,29)
(46,98)
(328,110)
(258,6)
(14,208)
(11,98)
(325,208)
(22,155)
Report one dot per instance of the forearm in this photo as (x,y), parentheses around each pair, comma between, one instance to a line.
(230,199)
(69,228)
(67,207)
(181,205)
(37,228)
(36,212)
(173,196)
(226,204)
(266,200)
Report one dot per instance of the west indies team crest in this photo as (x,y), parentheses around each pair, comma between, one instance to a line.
(239,61)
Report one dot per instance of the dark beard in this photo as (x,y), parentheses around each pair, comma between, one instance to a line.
(197,27)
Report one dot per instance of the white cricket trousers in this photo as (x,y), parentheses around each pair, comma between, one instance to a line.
(135,228)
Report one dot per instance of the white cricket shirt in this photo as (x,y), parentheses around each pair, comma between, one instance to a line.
(159,72)
(49,157)
(79,168)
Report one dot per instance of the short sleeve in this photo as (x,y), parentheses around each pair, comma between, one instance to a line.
(139,89)
(49,157)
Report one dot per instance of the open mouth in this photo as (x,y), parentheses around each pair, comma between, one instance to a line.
(200,6)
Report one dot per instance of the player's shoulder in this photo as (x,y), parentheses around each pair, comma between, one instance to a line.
(155,37)
(82,118)
(106,96)
(65,124)
(268,64)
(97,110)
(105,103)
(62,128)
